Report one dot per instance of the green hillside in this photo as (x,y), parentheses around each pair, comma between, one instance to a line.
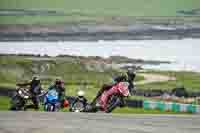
(96,10)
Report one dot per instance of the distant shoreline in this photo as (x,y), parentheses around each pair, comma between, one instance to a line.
(96,32)
(117,59)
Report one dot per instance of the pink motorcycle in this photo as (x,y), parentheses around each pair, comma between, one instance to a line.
(112,98)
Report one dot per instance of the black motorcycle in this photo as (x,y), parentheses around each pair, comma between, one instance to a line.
(51,101)
(115,100)
(19,99)
(78,104)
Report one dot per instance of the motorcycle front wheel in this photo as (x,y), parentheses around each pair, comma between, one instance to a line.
(48,108)
(17,103)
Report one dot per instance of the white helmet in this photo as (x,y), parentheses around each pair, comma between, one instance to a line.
(81,93)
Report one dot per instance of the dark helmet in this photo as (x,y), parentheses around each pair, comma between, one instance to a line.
(119,77)
(36,80)
(59,82)
(131,71)
(131,75)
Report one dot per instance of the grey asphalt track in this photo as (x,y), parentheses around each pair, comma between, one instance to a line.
(41,122)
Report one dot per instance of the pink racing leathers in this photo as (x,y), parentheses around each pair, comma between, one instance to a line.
(120,88)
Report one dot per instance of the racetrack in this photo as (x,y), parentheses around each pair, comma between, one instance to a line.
(35,122)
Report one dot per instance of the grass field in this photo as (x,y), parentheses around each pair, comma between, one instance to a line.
(190,80)
(75,74)
(98,10)
(15,69)
(18,69)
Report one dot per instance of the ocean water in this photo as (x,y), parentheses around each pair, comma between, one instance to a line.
(185,53)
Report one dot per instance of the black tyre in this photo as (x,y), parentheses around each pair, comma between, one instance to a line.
(49,108)
(17,103)
(113,102)
(77,106)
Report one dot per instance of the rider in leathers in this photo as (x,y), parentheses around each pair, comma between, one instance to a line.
(59,86)
(35,90)
(128,77)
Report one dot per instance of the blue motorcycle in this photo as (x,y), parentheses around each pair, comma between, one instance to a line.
(51,101)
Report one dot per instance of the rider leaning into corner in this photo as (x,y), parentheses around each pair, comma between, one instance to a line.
(129,77)
(119,81)
(59,86)
(35,90)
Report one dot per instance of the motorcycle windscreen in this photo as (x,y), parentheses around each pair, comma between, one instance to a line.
(123,88)
(52,95)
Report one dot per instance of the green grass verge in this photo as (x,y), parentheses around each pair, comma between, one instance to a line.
(140,98)
(127,110)
(4,103)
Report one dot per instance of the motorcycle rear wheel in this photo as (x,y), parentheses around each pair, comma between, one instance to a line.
(113,102)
